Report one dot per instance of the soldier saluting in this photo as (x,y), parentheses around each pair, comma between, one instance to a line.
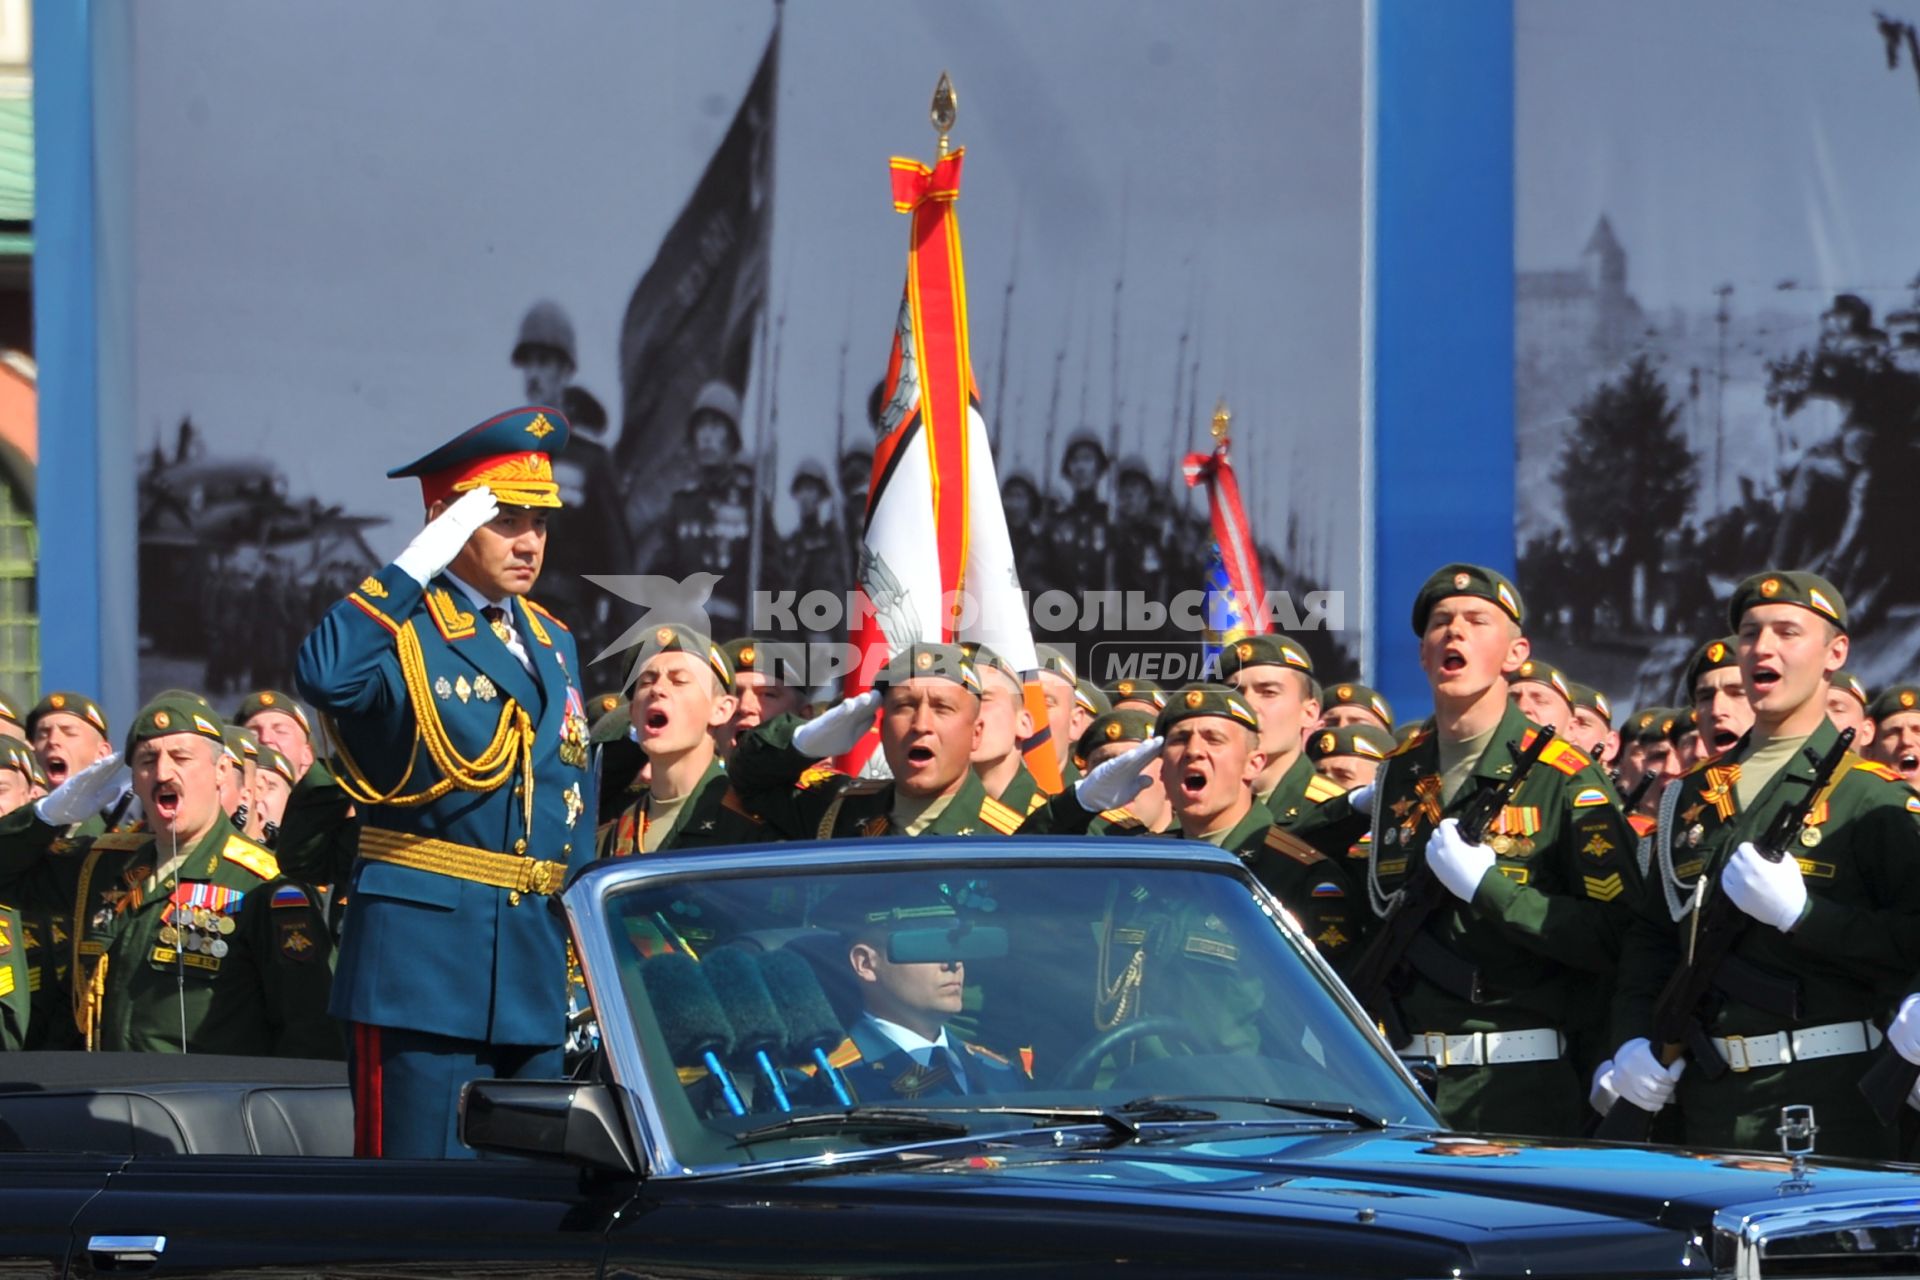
(462,738)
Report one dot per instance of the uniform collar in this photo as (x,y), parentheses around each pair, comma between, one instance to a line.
(473,595)
(1496,762)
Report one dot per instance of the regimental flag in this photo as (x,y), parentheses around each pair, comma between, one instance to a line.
(937,561)
(1236,596)
(692,317)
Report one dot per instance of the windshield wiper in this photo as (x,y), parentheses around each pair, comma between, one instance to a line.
(896,1121)
(1150,1104)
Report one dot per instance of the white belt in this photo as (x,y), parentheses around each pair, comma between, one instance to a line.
(1744,1053)
(1486,1048)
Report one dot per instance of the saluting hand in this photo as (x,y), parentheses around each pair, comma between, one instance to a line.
(1115,782)
(835,731)
(82,795)
(435,546)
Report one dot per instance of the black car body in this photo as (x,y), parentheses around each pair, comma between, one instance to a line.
(201,1167)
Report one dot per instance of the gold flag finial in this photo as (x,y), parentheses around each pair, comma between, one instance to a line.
(1221,418)
(946,106)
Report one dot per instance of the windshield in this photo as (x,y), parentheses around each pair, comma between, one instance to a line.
(930,1002)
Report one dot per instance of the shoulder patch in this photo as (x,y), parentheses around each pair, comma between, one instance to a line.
(1121,820)
(243,852)
(1913,804)
(1877,769)
(367,607)
(846,1055)
(1418,737)
(1037,801)
(815,775)
(1588,796)
(1320,790)
(865,786)
(1284,842)
(1565,757)
(998,816)
(122,841)
(542,610)
(290,895)
(979,1051)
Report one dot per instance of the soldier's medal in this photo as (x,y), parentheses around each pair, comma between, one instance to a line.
(190,942)
(462,690)
(1502,845)
(202,919)
(1523,847)
(225,925)
(169,935)
(484,690)
(1810,836)
(576,805)
(1695,834)
(443,687)
(218,947)
(1390,836)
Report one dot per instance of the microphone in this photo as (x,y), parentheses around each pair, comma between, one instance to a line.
(759,1031)
(812,1027)
(690,1017)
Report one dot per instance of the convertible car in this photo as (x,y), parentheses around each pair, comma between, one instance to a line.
(910,1057)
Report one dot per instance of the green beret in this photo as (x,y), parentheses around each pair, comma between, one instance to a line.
(1051,659)
(188,695)
(605,703)
(166,716)
(1847,682)
(1647,725)
(1542,672)
(1350,694)
(15,754)
(1685,720)
(1131,690)
(241,745)
(1896,700)
(272,700)
(273,758)
(1205,700)
(779,661)
(1128,724)
(674,638)
(1776,586)
(69,703)
(1269,650)
(1467,580)
(9,707)
(939,661)
(1714,655)
(1349,740)
(984,656)
(1585,695)
(1090,698)
(613,725)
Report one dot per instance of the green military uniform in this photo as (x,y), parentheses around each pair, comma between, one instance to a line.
(16,992)
(1023,794)
(1300,792)
(1132,725)
(712,815)
(1847,961)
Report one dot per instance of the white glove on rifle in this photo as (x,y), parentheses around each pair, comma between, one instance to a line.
(1773,893)
(1115,782)
(1639,1077)
(1603,1094)
(835,731)
(82,795)
(435,546)
(1361,798)
(1460,866)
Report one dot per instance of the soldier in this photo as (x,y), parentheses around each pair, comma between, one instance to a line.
(1088,702)
(1350,702)
(1641,731)
(1543,695)
(1501,987)
(1847,704)
(462,739)
(1275,675)
(710,520)
(1139,540)
(10,719)
(812,552)
(1108,738)
(1077,529)
(273,783)
(1688,743)
(1896,732)
(1026,526)
(1138,695)
(236,793)
(69,732)
(22,781)
(1005,723)
(1721,713)
(928,697)
(317,833)
(544,352)
(1349,756)
(1591,729)
(1833,939)
(856,475)
(1059,685)
(187,937)
(682,696)
(768,679)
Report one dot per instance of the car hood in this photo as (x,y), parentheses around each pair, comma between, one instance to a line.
(1495,1205)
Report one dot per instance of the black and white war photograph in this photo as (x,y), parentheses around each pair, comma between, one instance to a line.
(1717,323)
(706,280)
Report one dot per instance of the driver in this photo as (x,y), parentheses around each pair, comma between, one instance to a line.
(901,1046)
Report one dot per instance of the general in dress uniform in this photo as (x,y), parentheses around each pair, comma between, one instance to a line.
(462,738)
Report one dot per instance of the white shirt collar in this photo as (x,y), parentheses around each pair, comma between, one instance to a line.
(907,1038)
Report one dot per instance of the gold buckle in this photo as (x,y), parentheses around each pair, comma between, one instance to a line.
(1744,1063)
(1436,1044)
(540,876)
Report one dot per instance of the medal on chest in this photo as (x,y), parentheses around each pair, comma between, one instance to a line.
(574,730)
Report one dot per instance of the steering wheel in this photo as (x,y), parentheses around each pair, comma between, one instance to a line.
(1080,1069)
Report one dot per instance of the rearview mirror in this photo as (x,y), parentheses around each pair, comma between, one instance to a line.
(549,1120)
(937,946)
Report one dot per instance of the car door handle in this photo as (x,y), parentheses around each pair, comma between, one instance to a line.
(126,1251)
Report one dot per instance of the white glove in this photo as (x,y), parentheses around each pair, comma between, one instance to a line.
(435,546)
(1459,865)
(82,795)
(1913,1096)
(835,731)
(1602,1094)
(1361,798)
(1640,1079)
(1114,782)
(1773,893)
(1904,1034)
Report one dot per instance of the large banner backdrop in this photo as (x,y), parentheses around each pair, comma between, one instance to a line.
(1717,315)
(364,226)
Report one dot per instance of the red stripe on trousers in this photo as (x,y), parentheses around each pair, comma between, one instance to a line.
(368,1091)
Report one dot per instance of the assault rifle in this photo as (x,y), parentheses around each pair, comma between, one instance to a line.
(1718,925)
(1402,942)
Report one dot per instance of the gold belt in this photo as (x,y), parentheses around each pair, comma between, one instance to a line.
(463,862)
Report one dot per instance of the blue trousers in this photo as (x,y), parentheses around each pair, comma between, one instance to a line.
(406,1087)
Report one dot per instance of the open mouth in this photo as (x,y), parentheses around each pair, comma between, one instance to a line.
(1765,679)
(919,757)
(1724,738)
(56,769)
(1909,764)
(1193,783)
(1453,662)
(654,721)
(166,802)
